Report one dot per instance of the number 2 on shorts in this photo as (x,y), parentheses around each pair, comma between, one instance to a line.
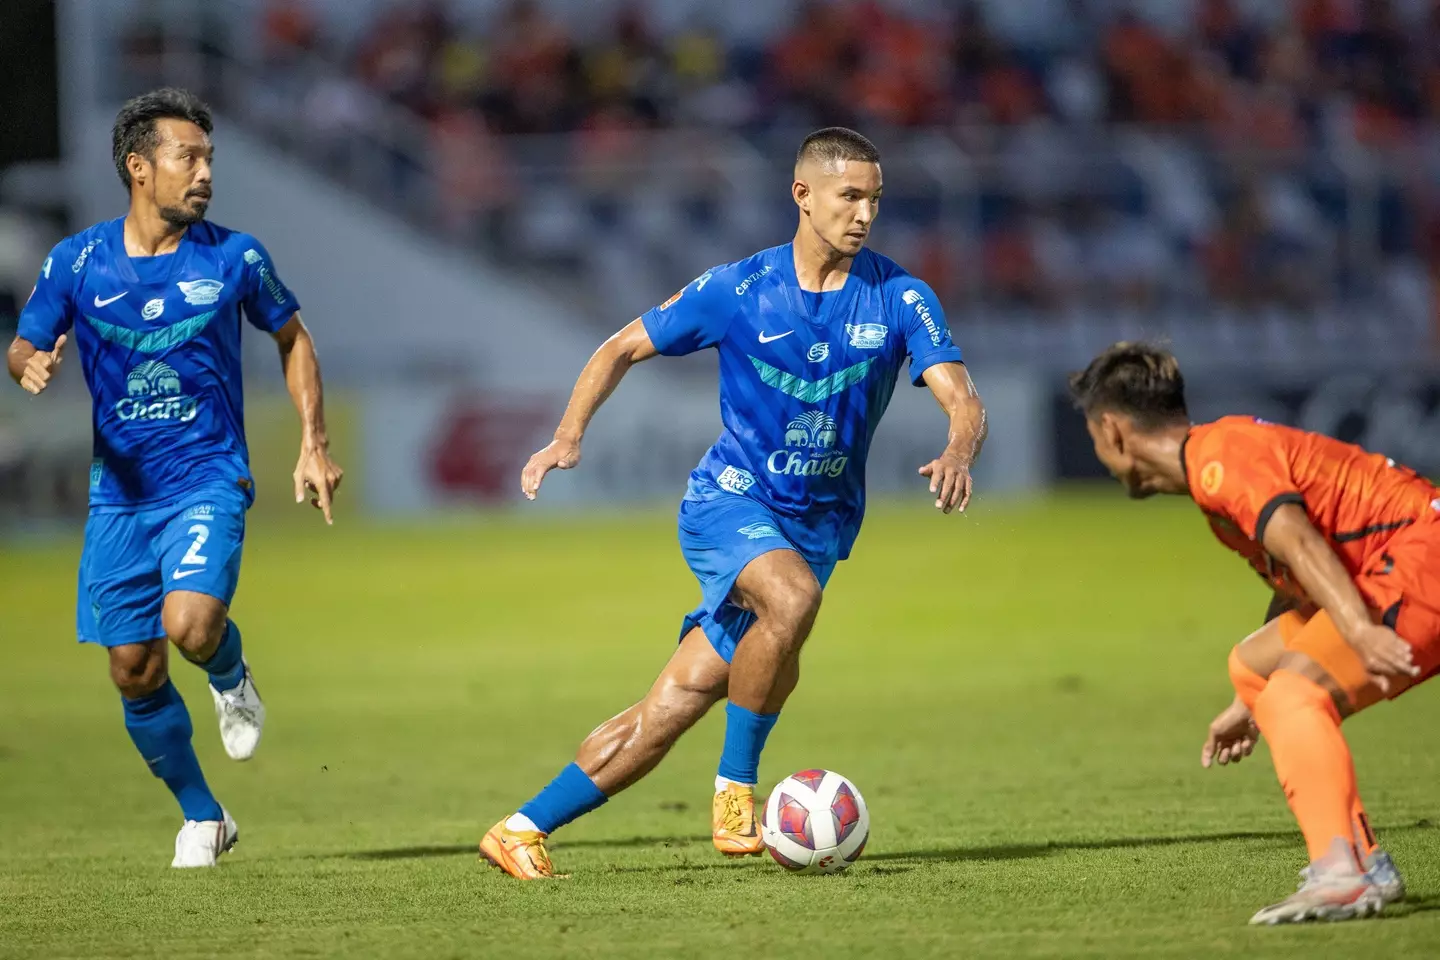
(201,533)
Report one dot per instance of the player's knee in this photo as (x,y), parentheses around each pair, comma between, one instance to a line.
(137,670)
(196,629)
(791,609)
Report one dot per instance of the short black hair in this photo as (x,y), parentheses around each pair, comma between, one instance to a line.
(134,130)
(1140,380)
(831,145)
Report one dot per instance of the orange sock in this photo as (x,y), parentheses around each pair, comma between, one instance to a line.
(1247,682)
(1311,758)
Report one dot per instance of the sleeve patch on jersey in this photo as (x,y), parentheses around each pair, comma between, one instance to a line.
(671,302)
(1212,475)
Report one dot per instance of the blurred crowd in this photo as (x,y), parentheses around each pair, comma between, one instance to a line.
(1267,153)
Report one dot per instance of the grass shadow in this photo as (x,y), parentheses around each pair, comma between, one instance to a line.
(472,849)
(1023,851)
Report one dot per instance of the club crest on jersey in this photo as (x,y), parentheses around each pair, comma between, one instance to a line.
(809,448)
(153,309)
(867,336)
(818,352)
(200,293)
(1211,476)
(154,393)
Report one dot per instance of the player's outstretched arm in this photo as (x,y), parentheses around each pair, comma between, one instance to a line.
(597,381)
(1292,539)
(949,473)
(32,368)
(315,470)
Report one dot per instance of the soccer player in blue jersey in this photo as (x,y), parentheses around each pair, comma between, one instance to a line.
(153,301)
(812,336)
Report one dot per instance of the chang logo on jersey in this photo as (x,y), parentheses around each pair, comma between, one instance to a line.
(810,448)
(201,293)
(155,393)
(867,336)
(85,254)
(153,309)
(922,310)
(267,279)
(749,281)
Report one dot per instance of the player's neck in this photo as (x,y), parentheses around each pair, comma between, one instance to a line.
(1160,452)
(819,268)
(147,234)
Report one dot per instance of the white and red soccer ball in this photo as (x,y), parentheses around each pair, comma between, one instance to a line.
(815,822)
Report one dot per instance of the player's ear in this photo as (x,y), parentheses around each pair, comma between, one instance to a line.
(139,169)
(1110,429)
(800,190)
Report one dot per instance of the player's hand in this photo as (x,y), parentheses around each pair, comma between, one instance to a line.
(321,476)
(949,481)
(558,454)
(1232,736)
(1384,653)
(42,366)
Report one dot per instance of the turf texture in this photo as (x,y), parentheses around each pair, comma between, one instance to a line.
(1020,694)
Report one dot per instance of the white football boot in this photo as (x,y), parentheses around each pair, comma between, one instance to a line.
(1386,876)
(1332,888)
(242,717)
(200,842)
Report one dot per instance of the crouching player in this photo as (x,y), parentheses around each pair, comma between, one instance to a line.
(1350,543)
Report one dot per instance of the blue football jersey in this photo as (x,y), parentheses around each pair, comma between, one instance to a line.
(803,381)
(158,339)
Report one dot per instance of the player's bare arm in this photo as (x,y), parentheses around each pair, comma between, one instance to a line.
(1292,539)
(315,470)
(949,473)
(32,368)
(602,374)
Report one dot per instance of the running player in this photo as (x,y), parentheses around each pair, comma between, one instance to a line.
(1350,544)
(153,301)
(812,336)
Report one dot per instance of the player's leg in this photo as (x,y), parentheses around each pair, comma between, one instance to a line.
(119,608)
(615,755)
(1317,682)
(200,549)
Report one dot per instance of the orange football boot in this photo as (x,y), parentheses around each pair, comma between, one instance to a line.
(520,853)
(734,829)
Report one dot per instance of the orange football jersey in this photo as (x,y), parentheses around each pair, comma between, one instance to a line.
(1240,470)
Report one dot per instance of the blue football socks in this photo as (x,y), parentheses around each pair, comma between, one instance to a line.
(745,734)
(159,725)
(571,795)
(225,666)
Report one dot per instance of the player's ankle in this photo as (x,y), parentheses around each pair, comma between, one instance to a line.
(518,822)
(722,783)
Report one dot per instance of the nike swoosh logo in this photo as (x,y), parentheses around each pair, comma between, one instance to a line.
(106,303)
(765,339)
(182,574)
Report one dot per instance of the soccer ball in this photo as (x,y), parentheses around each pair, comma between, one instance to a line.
(815,822)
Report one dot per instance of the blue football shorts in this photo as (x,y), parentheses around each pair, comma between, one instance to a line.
(719,537)
(133,559)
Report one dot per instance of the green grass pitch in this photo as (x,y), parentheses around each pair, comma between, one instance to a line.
(1020,694)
